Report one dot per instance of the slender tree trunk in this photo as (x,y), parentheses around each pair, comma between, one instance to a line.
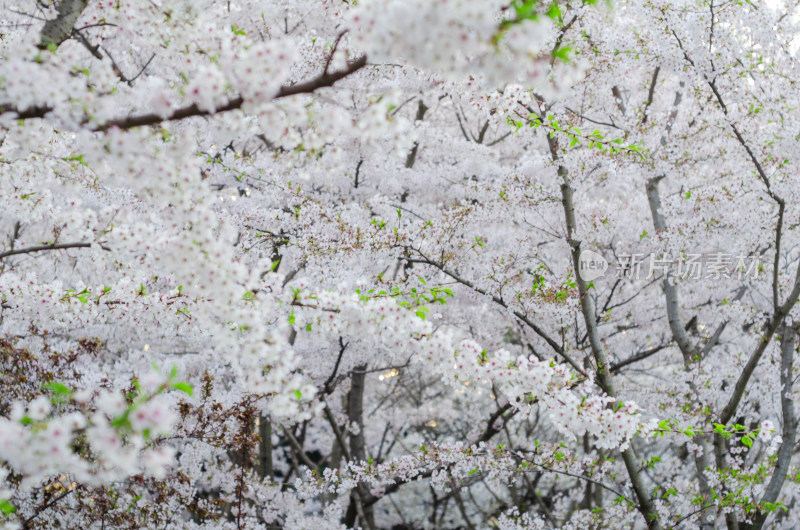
(789,430)
(646,505)
(355,415)
(265,469)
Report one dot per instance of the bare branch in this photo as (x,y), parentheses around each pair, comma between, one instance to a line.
(326,79)
(499,301)
(789,430)
(41,248)
(650,94)
(642,355)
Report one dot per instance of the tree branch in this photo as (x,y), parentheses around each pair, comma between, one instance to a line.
(57,30)
(642,355)
(789,431)
(645,505)
(325,79)
(499,301)
(54,246)
(650,94)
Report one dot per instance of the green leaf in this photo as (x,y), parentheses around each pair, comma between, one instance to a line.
(6,507)
(562,53)
(184,387)
(75,158)
(298,395)
(57,388)
(554,12)
(121,422)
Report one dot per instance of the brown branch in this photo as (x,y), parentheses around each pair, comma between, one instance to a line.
(521,316)
(650,94)
(741,384)
(323,80)
(562,32)
(618,99)
(94,50)
(41,248)
(299,449)
(490,430)
(29,520)
(326,79)
(337,431)
(333,51)
(391,488)
(329,384)
(355,415)
(642,355)
(412,155)
(574,475)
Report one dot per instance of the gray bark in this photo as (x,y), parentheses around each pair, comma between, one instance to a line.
(57,30)
(789,430)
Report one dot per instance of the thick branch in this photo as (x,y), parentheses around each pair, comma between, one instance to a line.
(670,290)
(299,449)
(336,431)
(650,94)
(326,79)
(789,431)
(645,506)
(57,30)
(265,467)
(733,403)
(355,415)
(637,357)
(41,248)
(412,155)
(489,433)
